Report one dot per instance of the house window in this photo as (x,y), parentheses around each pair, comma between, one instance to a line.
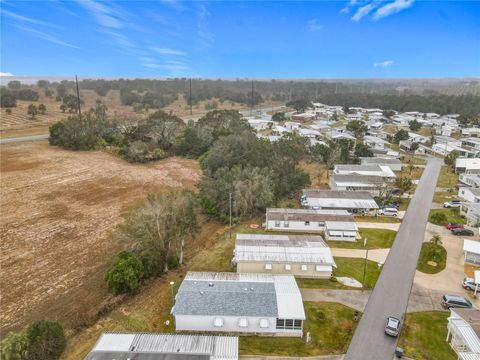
(304,267)
(280,323)
(277,223)
(286,224)
(289,324)
(268,266)
(243,323)
(218,322)
(264,323)
(297,324)
(307,223)
(319,268)
(321,224)
(288,267)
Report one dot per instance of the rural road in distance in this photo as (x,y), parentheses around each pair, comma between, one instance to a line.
(391,293)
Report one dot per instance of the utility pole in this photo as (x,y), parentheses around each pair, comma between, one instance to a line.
(190,97)
(230,211)
(365,264)
(78,98)
(251,110)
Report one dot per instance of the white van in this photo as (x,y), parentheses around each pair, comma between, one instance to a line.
(388,212)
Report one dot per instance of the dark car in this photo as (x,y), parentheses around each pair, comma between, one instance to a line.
(464,232)
(451,226)
(454,301)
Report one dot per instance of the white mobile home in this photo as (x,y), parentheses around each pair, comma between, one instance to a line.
(366,170)
(467,166)
(468,194)
(471,251)
(471,212)
(353,202)
(375,185)
(305,256)
(472,180)
(392,163)
(143,346)
(239,303)
(464,333)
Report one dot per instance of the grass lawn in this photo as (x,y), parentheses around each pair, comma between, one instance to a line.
(447,178)
(376,239)
(435,253)
(347,267)
(423,336)
(377,219)
(331,327)
(452,215)
(444,196)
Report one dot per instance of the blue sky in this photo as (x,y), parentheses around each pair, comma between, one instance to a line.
(294,39)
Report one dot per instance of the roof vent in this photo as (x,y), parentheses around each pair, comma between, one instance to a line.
(201,292)
(246,289)
(210,284)
(251,289)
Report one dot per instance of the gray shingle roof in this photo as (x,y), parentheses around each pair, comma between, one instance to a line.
(226,298)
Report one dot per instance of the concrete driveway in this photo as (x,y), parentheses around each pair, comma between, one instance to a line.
(377,255)
(378,225)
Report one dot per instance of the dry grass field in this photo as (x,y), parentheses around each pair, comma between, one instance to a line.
(57,211)
(18,123)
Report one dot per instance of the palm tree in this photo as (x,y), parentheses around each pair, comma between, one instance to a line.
(436,240)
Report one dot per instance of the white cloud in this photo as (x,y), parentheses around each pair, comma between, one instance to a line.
(383,64)
(5,74)
(363,11)
(22,18)
(47,37)
(168,51)
(175,4)
(104,15)
(314,25)
(203,31)
(392,8)
(350,4)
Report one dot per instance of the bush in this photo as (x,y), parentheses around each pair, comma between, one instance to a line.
(14,347)
(125,275)
(27,94)
(438,218)
(45,340)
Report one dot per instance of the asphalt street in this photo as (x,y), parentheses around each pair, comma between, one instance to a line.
(392,291)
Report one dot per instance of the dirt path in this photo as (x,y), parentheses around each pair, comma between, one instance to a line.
(57,210)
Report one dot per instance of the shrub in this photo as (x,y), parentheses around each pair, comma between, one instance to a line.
(438,218)
(125,275)
(45,340)
(7,100)
(14,347)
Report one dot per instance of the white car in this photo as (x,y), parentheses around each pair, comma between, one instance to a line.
(388,212)
(452,204)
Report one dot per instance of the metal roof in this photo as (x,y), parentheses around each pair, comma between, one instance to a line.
(231,294)
(340,199)
(341,225)
(380,160)
(283,248)
(308,215)
(471,246)
(164,346)
(466,323)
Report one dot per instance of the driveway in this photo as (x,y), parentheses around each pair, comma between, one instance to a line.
(379,225)
(377,255)
(390,297)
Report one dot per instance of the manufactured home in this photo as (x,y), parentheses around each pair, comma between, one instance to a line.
(463,333)
(305,256)
(239,303)
(352,201)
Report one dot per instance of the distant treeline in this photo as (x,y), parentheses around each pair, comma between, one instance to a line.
(437,103)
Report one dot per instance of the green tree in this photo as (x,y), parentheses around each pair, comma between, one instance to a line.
(42,109)
(45,340)
(451,159)
(388,113)
(438,218)
(299,105)
(415,125)
(362,150)
(279,116)
(157,231)
(436,240)
(14,346)
(414,147)
(63,108)
(32,111)
(71,103)
(125,275)
(400,135)
(14,85)
(404,183)
(7,99)
(358,128)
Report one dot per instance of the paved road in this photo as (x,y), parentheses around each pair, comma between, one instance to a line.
(24,138)
(391,293)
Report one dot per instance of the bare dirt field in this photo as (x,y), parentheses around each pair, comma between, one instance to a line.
(57,210)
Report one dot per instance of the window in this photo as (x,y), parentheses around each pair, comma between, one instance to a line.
(264,323)
(307,223)
(288,267)
(321,224)
(243,323)
(289,324)
(268,266)
(218,322)
(319,268)
(286,224)
(304,267)
(277,223)
(297,324)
